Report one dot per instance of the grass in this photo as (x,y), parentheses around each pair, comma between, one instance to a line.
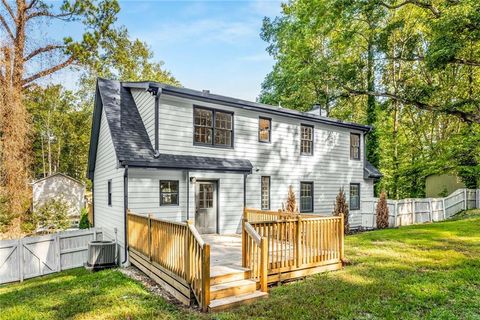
(429,271)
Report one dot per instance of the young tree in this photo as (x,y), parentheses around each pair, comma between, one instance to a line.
(382,211)
(341,207)
(291,204)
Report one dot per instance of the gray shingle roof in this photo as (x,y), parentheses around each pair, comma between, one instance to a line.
(370,172)
(131,141)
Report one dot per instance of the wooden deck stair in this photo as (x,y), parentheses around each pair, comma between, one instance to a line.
(231,287)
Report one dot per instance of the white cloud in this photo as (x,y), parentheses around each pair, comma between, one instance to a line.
(202,30)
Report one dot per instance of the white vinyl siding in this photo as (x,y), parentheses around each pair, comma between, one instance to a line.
(330,168)
(106,168)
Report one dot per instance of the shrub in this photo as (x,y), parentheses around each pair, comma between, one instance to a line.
(291,204)
(382,212)
(84,222)
(52,215)
(341,207)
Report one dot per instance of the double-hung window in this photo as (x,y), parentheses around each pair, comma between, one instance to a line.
(168,192)
(354,146)
(213,127)
(306,139)
(354,196)
(264,129)
(306,196)
(265,189)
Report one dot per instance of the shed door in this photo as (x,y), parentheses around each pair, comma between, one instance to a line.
(206,207)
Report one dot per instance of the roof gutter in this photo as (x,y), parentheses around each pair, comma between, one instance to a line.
(180,92)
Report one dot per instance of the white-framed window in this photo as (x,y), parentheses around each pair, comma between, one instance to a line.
(265,195)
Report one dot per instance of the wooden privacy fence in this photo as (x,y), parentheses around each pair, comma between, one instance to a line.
(173,253)
(411,211)
(295,242)
(36,256)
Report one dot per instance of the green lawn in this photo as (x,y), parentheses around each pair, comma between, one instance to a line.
(427,271)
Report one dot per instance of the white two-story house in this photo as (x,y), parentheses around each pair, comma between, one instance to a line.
(184,154)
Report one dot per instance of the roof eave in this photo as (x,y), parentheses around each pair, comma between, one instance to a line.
(146,164)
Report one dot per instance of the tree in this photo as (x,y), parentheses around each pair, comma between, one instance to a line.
(382,212)
(61,131)
(405,67)
(19,71)
(341,207)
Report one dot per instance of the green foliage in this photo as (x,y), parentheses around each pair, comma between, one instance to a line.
(52,215)
(61,131)
(84,223)
(410,69)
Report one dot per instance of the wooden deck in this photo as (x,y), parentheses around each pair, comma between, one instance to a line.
(222,271)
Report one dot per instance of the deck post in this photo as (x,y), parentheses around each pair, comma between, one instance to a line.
(205,277)
(187,252)
(244,239)
(149,237)
(264,264)
(298,243)
(342,237)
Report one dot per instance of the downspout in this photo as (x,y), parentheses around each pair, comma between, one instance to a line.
(156,92)
(125,208)
(93,205)
(245,190)
(188,193)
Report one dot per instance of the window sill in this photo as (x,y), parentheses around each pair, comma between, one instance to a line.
(202,145)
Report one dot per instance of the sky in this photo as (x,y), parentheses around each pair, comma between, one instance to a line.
(206,45)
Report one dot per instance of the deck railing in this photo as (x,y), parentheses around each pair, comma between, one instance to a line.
(254,255)
(176,247)
(301,241)
(198,266)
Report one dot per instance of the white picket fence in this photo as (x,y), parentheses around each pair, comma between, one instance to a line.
(411,211)
(36,256)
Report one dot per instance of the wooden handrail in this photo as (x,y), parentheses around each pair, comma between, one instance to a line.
(254,234)
(195,233)
(175,246)
(255,254)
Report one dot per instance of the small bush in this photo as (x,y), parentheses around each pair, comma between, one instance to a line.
(52,215)
(84,222)
(341,207)
(291,204)
(382,212)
